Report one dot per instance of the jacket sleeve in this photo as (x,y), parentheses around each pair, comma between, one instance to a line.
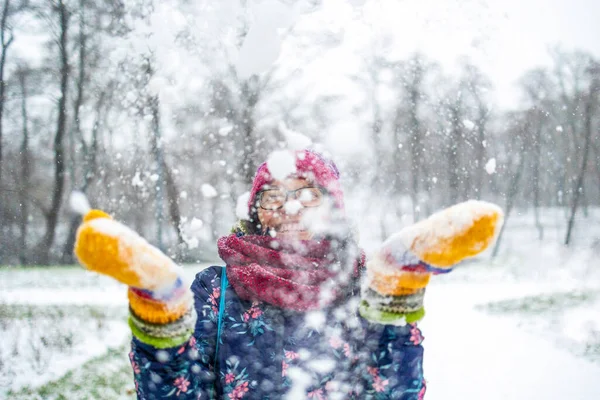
(392,366)
(184,371)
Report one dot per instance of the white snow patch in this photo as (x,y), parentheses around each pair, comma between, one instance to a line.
(79,202)
(301,380)
(315,319)
(260,50)
(468,124)
(559,128)
(292,207)
(241,209)
(196,225)
(137,180)
(281,164)
(192,242)
(322,366)
(581,323)
(490,166)
(262,43)
(225,130)
(208,191)
(516,364)
(295,140)
(131,97)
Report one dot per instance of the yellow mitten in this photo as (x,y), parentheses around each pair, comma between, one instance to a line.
(400,270)
(106,246)
(157,293)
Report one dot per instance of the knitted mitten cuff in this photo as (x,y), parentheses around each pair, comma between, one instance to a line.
(394,294)
(379,316)
(400,304)
(160,342)
(161,307)
(178,328)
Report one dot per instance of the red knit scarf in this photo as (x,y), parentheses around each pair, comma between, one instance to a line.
(291,274)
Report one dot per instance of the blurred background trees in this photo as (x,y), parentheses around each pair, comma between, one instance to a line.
(142,107)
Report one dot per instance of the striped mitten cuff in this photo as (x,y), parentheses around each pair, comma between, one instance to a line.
(164,318)
(394,294)
(163,336)
(392,309)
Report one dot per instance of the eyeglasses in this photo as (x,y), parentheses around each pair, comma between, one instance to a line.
(274,199)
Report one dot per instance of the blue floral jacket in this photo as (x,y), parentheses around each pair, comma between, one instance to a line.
(267,353)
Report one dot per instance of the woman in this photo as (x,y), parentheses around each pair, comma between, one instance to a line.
(281,319)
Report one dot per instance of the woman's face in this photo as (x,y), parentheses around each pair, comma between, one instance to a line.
(282,204)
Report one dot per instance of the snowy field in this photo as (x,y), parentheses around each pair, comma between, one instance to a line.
(525,326)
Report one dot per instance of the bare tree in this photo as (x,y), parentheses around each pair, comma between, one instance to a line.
(590,106)
(537,87)
(6,39)
(43,250)
(475,84)
(454,146)
(414,91)
(517,153)
(90,169)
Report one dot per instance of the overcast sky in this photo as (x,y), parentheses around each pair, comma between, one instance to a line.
(505,37)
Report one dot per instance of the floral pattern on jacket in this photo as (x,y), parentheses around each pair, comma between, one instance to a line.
(266,352)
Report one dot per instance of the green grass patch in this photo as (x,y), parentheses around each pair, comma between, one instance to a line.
(36,334)
(545,314)
(541,304)
(27,311)
(38,267)
(105,377)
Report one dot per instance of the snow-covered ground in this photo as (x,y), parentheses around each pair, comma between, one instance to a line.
(473,354)
(524,326)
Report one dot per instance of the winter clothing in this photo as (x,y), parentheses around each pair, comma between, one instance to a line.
(160,302)
(289,323)
(106,246)
(290,274)
(444,239)
(266,352)
(401,268)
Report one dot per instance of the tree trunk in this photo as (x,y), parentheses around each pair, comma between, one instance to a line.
(376,182)
(75,131)
(25,172)
(157,151)
(173,200)
(248,164)
(513,189)
(578,188)
(416,148)
(59,165)
(537,148)
(5,44)
(480,148)
(89,174)
(453,156)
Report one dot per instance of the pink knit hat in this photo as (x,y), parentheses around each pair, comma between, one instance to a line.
(310,165)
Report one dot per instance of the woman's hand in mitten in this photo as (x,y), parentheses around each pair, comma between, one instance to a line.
(157,293)
(401,268)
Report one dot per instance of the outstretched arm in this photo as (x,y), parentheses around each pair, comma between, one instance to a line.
(392,298)
(171,349)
